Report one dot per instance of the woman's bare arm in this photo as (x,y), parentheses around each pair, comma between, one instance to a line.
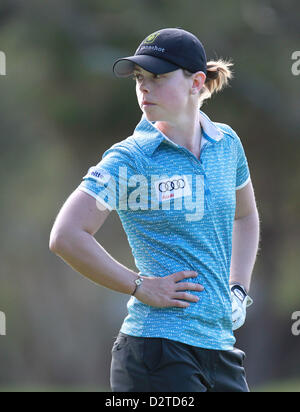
(72,238)
(245,241)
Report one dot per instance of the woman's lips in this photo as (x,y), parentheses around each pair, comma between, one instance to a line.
(145,103)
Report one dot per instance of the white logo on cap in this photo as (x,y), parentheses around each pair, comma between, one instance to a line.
(154,48)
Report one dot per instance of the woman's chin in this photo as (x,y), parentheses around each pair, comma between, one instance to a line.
(151,116)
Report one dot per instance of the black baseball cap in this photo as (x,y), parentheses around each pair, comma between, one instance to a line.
(165,51)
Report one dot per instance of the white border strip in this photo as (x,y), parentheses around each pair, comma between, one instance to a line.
(244,184)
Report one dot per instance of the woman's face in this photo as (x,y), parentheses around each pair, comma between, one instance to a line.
(164,97)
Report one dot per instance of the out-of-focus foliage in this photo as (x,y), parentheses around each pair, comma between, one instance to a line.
(61,108)
(280,386)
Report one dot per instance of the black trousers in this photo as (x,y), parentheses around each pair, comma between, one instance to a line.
(162,365)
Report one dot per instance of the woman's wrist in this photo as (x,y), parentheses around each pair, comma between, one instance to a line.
(137,283)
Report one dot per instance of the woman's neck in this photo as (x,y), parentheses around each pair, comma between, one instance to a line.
(187,134)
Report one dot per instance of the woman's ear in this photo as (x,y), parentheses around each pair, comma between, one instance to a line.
(198,82)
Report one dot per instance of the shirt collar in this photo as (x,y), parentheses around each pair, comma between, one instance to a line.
(148,137)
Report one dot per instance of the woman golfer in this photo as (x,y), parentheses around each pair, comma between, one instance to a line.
(181,186)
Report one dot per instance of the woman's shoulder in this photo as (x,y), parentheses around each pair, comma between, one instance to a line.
(122,148)
(230,134)
(123,153)
(227,130)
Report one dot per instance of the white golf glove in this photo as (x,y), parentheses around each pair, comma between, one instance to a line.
(240,302)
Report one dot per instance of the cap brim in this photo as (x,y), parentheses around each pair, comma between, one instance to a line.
(125,67)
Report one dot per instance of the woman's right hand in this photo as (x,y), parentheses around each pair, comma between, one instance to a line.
(168,291)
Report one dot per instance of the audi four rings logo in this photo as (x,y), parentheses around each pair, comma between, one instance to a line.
(171,185)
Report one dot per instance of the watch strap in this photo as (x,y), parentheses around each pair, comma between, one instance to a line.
(138,283)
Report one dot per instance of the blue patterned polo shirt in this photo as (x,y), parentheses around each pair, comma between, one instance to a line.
(177,212)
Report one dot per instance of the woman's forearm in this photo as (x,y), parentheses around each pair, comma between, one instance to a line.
(83,253)
(245,243)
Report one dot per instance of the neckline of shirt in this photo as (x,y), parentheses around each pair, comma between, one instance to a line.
(149,137)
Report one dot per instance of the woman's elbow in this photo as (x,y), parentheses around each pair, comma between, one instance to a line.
(57,241)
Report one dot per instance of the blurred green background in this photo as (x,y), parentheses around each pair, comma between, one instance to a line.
(61,108)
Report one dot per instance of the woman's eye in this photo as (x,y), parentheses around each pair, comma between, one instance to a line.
(137,77)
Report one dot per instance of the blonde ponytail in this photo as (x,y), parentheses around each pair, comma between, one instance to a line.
(218,75)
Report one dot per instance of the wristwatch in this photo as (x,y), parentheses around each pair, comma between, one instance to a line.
(138,283)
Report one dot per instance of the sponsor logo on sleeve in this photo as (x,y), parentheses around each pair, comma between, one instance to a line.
(98,174)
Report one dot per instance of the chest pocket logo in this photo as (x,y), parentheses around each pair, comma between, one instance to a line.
(172,187)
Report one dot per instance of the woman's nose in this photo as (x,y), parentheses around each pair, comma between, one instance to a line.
(144,87)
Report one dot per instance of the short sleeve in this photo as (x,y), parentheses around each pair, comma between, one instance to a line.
(242,168)
(107,181)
